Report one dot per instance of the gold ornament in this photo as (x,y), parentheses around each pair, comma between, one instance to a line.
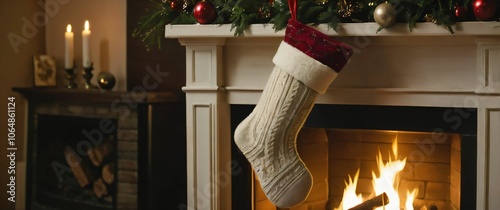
(347,8)
(385,14)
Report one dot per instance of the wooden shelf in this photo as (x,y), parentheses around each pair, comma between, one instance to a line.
(93,96)
(345,29)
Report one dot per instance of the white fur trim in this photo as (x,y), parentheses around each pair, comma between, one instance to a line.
(309,71)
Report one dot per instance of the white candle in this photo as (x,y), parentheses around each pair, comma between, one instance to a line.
(85,45)
(68,50)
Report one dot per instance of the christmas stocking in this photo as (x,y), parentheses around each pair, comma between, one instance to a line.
(306,63)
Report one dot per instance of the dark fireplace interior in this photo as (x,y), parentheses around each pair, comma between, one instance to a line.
(74,167)
(416,127)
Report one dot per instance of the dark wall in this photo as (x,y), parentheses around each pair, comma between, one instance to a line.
(165,187)
(171,58)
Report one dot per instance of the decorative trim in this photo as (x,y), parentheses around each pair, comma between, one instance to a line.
(490,170)
(491,28)
(488,65)
(202,66)
(204,152)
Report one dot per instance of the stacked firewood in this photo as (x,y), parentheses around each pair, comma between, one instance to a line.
(96,172)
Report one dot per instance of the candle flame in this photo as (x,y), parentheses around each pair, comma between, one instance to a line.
(68,28)
(87,27)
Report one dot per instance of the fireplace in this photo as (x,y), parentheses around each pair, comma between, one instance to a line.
(439,164)
(424,69)
(83,168)
(109,150)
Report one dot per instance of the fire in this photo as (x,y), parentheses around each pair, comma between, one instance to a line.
(410,196)
(387,182)
(350,199)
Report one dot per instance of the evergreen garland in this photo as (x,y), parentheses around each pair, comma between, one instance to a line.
(241,13)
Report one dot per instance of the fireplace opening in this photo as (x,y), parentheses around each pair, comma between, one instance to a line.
(74,163)
(342,142)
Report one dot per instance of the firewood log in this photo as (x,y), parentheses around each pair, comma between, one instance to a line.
(99,153)
(82,172)
(380,200)
(108,173)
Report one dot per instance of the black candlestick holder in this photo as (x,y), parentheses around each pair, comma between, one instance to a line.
(70,76)
(88,76)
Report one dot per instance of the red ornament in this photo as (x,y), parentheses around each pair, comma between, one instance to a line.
(484,9)
(204,12)
(461,12)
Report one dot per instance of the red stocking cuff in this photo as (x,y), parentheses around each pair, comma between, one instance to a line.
(317,45)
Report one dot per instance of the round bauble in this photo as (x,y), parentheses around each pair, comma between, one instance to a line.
(461,12)
(106,80)
(204,12)
(385,14)
(484,9)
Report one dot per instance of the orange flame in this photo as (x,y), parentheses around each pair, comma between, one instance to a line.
(387,182)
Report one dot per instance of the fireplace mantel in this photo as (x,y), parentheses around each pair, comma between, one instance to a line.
(395,67)
(345,29)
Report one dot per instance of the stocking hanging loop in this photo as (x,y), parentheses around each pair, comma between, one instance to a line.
(292,4)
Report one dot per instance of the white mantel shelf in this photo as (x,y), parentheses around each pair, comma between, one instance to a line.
(428,67)
(345,29)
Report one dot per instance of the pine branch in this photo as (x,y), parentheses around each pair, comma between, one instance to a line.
(330,16)
(151,26)
(281,15)
(241,13)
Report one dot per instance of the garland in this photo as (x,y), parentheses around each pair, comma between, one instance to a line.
(241,13)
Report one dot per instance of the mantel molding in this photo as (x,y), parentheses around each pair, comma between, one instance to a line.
(345,29)
(94,95)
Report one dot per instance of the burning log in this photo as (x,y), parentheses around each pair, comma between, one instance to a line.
(83,173)
(380,200)
(108,173)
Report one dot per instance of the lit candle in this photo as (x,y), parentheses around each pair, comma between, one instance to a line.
(85,45)
(68,50)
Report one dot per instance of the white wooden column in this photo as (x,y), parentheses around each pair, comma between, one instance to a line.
(208,133)
(488,128)
(488,145)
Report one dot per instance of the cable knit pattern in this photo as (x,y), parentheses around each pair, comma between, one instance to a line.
(267,138)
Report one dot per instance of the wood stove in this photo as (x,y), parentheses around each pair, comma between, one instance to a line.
(424,68)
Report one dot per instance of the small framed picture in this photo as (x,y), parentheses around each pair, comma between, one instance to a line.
(44,71)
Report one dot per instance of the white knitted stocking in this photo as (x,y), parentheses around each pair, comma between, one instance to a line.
(267,136)
(267,139)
